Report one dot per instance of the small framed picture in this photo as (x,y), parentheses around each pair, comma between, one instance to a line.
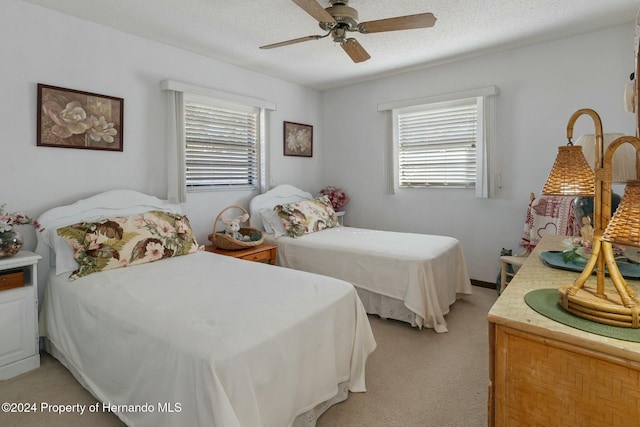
(298,140)
(71,118)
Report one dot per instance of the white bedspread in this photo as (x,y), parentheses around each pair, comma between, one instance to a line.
(231,342)
(427,272)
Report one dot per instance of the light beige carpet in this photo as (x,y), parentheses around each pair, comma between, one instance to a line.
(414,378)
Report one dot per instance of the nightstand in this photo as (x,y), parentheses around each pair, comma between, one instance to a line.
(264,252)
(19,348)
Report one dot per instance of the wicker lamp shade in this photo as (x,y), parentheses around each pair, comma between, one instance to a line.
(624,227)
(570,175)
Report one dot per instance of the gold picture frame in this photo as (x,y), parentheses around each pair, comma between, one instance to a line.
(298,139)
(69,118)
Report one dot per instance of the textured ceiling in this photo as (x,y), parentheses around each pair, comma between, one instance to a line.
(232,31)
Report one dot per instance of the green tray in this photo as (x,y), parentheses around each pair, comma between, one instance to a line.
(629,270)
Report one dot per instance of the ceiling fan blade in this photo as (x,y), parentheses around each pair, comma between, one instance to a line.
(421,20)
(355,50)
(293,41)
(313,8)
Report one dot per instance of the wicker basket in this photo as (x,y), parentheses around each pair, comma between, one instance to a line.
(223,241)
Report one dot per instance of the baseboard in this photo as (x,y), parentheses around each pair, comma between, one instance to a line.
(19,367)
(482,284)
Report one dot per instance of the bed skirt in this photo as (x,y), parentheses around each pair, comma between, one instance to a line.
(386,307)
(306,419)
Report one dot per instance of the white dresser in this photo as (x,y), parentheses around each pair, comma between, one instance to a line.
(19,349)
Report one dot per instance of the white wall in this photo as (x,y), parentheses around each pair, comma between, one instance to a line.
(41,46)
(540,87)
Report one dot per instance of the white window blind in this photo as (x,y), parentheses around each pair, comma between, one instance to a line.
(445,140)
(437,144)
(221,145)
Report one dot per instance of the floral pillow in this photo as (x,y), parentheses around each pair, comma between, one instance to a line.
(128,240)
(308,216)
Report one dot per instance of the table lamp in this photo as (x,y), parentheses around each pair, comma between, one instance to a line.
(571,175)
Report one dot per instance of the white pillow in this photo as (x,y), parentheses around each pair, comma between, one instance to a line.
(65,262)
(264,216)
(272,222)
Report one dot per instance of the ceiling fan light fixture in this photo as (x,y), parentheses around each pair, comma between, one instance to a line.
(339,35)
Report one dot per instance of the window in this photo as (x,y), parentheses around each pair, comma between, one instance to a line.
(222,144)
(442,141)
(436,144)
(215,140)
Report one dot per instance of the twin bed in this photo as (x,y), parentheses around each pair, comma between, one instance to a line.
(409,277)
(167,335)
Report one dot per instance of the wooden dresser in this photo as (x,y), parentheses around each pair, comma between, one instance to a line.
(544,373)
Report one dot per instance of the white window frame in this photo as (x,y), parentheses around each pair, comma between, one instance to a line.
(176,144)
(484,98)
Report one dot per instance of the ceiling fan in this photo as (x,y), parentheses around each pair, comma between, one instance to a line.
(338,19)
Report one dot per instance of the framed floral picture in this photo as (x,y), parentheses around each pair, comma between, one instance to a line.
(71,118)
(298,140)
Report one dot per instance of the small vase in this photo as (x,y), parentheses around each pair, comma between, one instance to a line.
(10,243)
